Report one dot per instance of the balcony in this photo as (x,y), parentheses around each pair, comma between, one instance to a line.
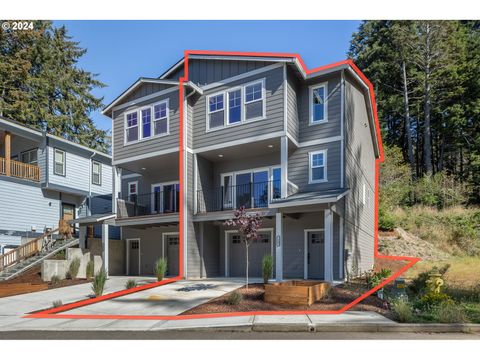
(252,195)
(19,170)
(156,203)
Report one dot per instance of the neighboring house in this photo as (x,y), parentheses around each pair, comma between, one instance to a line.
(44,178)
(299,149)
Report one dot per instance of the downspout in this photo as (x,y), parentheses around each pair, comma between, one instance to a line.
(47,151)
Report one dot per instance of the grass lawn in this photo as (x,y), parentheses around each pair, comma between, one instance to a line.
(464,272)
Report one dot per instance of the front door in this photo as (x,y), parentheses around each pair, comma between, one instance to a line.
(134,257)
(172,255)
(315,256)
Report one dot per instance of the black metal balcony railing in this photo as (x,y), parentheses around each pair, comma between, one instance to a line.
(160,202)
(251,195)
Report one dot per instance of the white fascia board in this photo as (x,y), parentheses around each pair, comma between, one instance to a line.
(173,68)
(307,202)
(58,138)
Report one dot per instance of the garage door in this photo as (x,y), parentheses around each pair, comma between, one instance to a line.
(256,251)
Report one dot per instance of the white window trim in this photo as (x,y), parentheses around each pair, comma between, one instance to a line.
(223,93)
(128,189)
(310,172)
(152,121)
(126,127)
(64,167)
(99,173)
(311,88)
(167,102)
(263,99)
(243,119)
(31,151)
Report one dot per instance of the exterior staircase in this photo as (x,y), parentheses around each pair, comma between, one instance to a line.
(31,254)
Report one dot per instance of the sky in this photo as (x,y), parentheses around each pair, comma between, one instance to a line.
(122,51)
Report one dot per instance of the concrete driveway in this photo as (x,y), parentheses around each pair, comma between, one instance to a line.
(170,299)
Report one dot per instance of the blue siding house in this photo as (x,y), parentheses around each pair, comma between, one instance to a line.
(45,178)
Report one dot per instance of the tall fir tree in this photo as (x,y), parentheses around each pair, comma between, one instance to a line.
(42,86)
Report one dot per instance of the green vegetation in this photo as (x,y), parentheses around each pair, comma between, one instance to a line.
(73,268)
(403,311)
(131,283)
(374,279)
(90,269)
(234,298)
(98,283)
(161,268)
(57,303)
(55,280)
(267,268)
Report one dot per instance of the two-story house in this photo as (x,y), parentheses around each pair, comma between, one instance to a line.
(218,131)
(45,178)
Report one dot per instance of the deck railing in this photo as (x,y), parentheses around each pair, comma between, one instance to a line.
(160,202)
(20,170)
(24,251)
(251,195)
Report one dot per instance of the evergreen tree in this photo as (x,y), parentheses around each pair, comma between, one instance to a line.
(42,86)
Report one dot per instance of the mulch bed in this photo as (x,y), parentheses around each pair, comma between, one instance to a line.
(33,276)
(338,297)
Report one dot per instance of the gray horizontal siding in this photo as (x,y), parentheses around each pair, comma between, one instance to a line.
(359,170)
(123,151)
(272,123)
(292,106)
(144,90)
(298,167)
(332,127)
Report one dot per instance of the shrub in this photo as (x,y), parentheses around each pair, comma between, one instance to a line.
(73,268)
(449,312)
(57,303)
(98,283)
(267,267)
(386,221)
(419,284)
(234,298)
(90,269)
(433,299)
(55,280)
(403,311)
(131,283)
(161,268)
(375,279)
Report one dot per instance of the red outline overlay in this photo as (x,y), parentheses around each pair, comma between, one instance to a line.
(54,312)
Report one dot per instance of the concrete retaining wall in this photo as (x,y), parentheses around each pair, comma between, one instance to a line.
(117,261)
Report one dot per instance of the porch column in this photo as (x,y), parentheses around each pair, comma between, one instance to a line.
(8,152)
(284,166)
(82,235)
(105,247)
(116,187)
(278,246)
(328,263)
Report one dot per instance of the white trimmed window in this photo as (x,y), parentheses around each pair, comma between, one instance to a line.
(318,166)
(96,173)
(29,157)
(146,115)
(216,112)
(59,162)
(234,106)
(131,127)
(254,100)
(318,104)
(160,118)
(132,191)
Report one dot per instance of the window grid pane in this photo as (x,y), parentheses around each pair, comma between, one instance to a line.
(234,106)
(216,103)
(318,103)
(146,122)
(253,92)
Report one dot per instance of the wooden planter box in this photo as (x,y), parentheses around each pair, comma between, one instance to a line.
(296,292)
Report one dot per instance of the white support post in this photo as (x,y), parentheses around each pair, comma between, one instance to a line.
(328,263)
(284,166)
(82,236)
(116,187)
(105,247)
(278,246)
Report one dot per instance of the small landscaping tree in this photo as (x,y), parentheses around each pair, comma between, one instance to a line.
(247,225)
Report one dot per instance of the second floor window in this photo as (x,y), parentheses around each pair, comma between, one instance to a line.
(146,122)
(160,119)
(29,157)
(216,113)
(96,173)
(59,162)
(131,127)
(254,100)
(318,104)
(132,191)
(318,166)
(234,106)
